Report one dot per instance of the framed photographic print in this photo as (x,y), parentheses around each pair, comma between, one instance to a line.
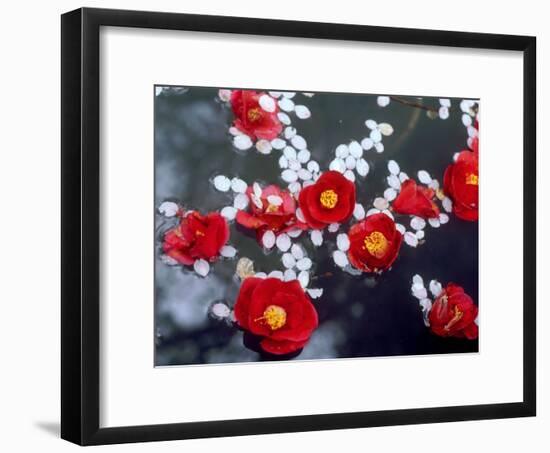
(274,226)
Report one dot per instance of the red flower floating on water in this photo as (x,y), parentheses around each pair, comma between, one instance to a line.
(414,199)
(196,237)
(278,311)
(374,243)
(453,314)
(330,200)
(251,118)
(270,209)
(460,183)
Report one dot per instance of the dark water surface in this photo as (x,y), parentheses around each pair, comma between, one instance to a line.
(358,316)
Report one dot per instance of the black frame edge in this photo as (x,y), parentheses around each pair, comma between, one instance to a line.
(80,406)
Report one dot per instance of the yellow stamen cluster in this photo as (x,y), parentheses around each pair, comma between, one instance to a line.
(472,179)
(376,244)
(274,316)
(328,198)
(457,317)
(254,114)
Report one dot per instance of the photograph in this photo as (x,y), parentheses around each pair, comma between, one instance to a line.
(295,225)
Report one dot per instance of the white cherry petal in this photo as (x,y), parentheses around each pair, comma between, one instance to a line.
(201,267)
(445,102)
(342,151)
(228,251)
(420,234)
(294,164)
(362,167)
(257,189)
(379,147)
(229,212)
(350,162)
(333,227)
(238,185)
(447,204)
(288,94)
(367,143)
(257,201)
(372,211)
(390,194)
(290,132)
(371,124)
(443,112)
(168,208)
(302,112)
(418,223)
(289,275)
(403,176)
(385,128)
(349,175)
(288,260)
(388,213)
(267,103)
(316,237)
(466,120)
(355,149)
(424,177)
(400,228)
(290,153)
(260,275)
(294,187)
(242,142)
(342,242)
(222,183)
(283,161)
(276,274)
(275,94)
(393,167)
(393,182)
(383,101)
(278,143)
(298,142)
(443,218)
(300,215)
(268,239)
(435,288)
(289,175)
(375,135)
(410,239)
(234,131)
(283,242)
(315,293)
(304,155)
(313,166)
(294,233)
(359,211)
(284,118)
(435,223)
(417,280)
(304,174)
(275,200)
(420,293)
(286,104)
(224,95)
(304,264)
(337,165)
(434,185)
(340,258)
(380,203)
(264,147)
(240,201)
(303,278)
(220,310)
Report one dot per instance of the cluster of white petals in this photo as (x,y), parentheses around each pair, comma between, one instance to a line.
(425,296)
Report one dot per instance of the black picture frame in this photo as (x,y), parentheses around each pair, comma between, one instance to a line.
(80,266)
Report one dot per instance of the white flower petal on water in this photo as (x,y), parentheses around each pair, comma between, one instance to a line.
(224,95)
(385,129)
(289,175)
(228,251)
(393,167)
(401,228)
(283,242)
(294,187)
(342,242)
(337,165)
(420,293)
(434,222)
(435,288)
(367,143)
(472,131)
(234,131)
(445,102)
(375,135)
(290,153)
(303,278)
(294,164)
(257,201)
(283,162)
(275,94)
(168,208)
(229,212)
(220,310)
(333,227)
(268,239)
(362,167)
(383,101)
(304,155)
(420,234)
(443,112)
(371,124)
(267,103)
(276,274)
(288,260)
(300,215)
(241,201)
(264,146)
(302,112)
(434,185)
(390,194)
(275,200)
(447,204)
(238,185)
(296,232)
(372,211)
(286,104)
(380,203)
(359,211)
(403,177)
(455,156)
(388,213)
(355,149)
(316,237)
(424,177)
(313,166)
(278,143)
(201,267)
(289,275)
(260,275)
(297,252)
(350,162)
(379,147)
(349,175)
(418,223)
(284,118)
(393,182)
(340,258)
(290,132)
(443,218)
(342,151)
(222,183)
(288,94)
(466,120)
(298,142)
(304,264)
(242,142)
(410,239)
(426,305)
(315,293)
(304,174)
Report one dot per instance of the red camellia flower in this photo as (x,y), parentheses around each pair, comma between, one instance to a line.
(270,209)
(251,118)
(460,183)
(453,314)
(330,200)
(414,199)
(374,243)
(278,311)
(196,237)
